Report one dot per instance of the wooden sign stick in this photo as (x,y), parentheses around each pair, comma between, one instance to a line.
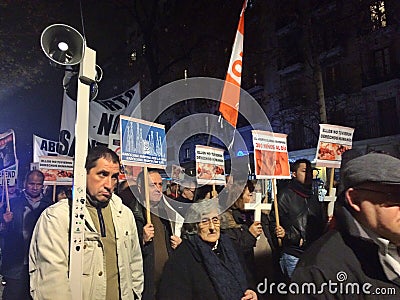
(147,195)
(8,208)
(54,192)
(276,207)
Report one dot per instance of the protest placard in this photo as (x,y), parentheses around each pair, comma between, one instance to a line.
(333,141)
(210,165)
(271,159)
(177,173)
(57,170)
(142,143)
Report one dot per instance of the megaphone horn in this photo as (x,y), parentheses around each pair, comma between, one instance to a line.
(63,44)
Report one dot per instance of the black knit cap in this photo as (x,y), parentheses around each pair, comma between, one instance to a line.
(372,167)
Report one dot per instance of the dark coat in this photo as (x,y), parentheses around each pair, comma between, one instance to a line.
(301,215)
(148,252)
(339,253)
(236,225)
(15,250)
(185,276)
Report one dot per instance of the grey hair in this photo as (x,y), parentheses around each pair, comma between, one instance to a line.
(196,211)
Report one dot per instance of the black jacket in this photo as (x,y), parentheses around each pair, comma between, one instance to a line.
(16,248)
(185,276)
(235,224)
(301,215)
(148,253)
(341,257)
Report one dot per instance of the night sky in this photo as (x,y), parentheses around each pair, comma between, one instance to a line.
(31,89)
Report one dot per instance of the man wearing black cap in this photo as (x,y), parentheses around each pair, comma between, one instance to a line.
(360,257)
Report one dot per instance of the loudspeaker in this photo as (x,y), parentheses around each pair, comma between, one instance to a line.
(63,44)
(70,84)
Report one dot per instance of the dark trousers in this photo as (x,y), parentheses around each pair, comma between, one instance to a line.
(17,289)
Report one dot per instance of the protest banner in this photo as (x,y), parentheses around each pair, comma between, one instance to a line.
(142,143)
(271,159)
(8,157)
(333,141)
(57,170)
(43,147)
(210,165)
(10,174)
(103,117)
(177,173)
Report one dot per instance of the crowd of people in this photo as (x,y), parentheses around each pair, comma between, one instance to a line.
(183,245)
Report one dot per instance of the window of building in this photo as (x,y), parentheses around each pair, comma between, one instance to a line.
(296,138)
(388,118)
(332,77)
(382,62)
(187,153)
(377,14)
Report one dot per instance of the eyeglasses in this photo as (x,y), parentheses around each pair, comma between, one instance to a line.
(390,199)
(207,221)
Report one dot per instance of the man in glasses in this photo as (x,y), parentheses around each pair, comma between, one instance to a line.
(361,254)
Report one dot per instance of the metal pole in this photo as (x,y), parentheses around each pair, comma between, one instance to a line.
(86,73)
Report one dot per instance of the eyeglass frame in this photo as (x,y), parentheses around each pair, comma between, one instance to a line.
(207,221)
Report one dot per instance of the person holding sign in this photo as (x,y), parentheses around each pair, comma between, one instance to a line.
(240,225)
(112,261)
(363,248)
(161,235)
(18,221)
(207,265)
(303,218)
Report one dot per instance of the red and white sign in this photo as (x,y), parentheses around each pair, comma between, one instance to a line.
(57,170)
(271,159)
(210,165)
(333,141)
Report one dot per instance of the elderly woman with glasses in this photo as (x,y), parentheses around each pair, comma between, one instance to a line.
(206,265)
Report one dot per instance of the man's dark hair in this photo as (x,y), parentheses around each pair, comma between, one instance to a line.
(295,166)
(34,172)
(98,152)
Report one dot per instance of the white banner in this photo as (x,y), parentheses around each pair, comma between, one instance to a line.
(43,147)
(210,165)
(57,170)
(103,118)
(333,141)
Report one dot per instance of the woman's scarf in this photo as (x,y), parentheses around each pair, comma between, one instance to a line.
(227,274)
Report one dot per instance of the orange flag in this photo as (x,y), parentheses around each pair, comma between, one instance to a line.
(229,105)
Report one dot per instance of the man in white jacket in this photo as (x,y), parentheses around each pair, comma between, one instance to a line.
(112,261)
